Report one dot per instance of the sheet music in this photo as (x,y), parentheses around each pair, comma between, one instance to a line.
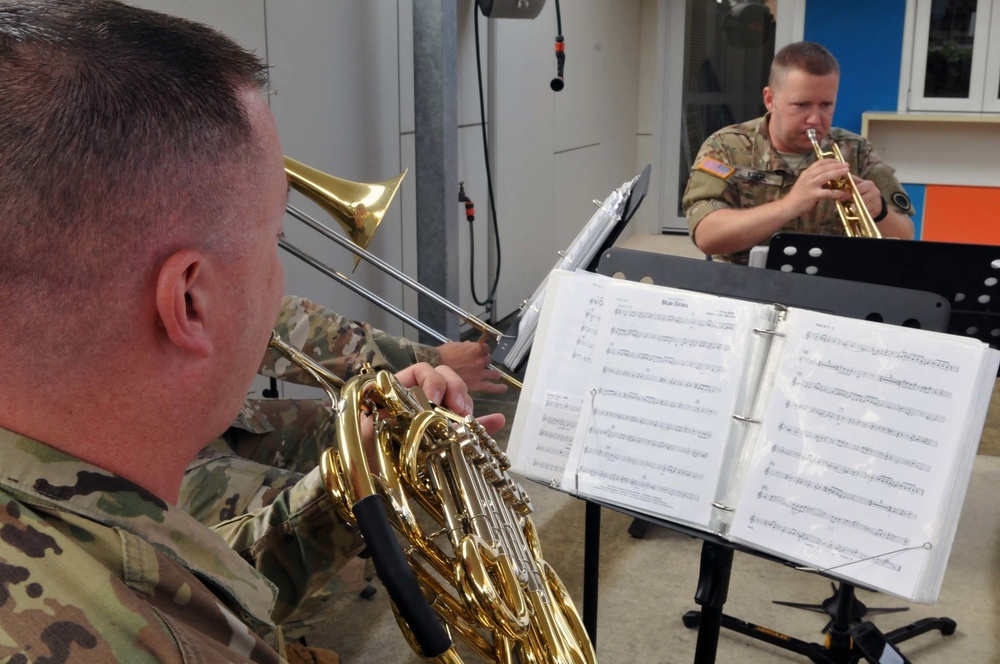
(576,257)
(858,448)
(658,403)
(548,411)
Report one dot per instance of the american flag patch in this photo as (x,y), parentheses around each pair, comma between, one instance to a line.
(715,167)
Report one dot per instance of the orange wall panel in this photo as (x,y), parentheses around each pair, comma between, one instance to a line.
(970,215)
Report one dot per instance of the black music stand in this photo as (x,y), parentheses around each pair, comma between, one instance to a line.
(848,640)
(968,275)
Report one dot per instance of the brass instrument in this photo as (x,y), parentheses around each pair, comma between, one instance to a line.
(359,208)
(480,568)
(854,215)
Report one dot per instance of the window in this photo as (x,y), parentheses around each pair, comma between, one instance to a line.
(956,56)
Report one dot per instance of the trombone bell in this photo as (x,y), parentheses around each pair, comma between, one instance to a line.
(358,207)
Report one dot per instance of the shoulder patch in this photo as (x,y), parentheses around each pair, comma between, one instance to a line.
(715,167)
(901,200)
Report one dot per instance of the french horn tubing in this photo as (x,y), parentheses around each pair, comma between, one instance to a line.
(472,562)
(854,215)
(359,208)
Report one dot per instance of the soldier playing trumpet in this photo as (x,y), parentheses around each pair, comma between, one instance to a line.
(751,180)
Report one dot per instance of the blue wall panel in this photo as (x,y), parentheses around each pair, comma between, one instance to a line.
(917,194)
(866,37)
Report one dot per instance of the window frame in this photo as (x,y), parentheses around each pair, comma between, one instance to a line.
(984,77)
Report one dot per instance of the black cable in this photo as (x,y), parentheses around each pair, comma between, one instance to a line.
(490,298)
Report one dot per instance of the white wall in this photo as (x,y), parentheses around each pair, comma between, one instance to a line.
(342,79)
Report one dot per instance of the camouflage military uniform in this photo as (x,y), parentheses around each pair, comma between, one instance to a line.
(288,435)
(96,569)
(274,441)
(737,168)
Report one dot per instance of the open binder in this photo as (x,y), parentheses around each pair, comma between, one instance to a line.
(842,445)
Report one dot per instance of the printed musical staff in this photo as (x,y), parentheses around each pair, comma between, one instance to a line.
(801,508)
(664,380)
(653,423)
(855,372)
(650,358)
(866,450)
(869,399)
(648,400)
(611,434)
(669,339)
(878,351)
(843,470)
(864,424)
(803,536)
(654,488)
(651,316)
(639,462)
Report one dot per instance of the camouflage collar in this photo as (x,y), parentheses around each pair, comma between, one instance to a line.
(41,475)
(766,157)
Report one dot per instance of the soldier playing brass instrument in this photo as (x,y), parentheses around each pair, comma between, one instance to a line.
(142,188)
(752,180)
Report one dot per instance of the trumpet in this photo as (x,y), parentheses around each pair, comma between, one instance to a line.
(479,570)
(854,215)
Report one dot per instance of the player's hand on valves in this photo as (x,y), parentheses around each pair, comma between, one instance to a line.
(870,194)
(813,186)
(470,360)
(443,386)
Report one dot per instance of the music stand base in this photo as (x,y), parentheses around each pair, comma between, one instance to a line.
(839,649)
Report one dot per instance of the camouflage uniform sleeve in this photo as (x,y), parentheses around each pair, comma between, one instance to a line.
(341,345)
(705,193)
(869,165)
(401,352)
(298,542)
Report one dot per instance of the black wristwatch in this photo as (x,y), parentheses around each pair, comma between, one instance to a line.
(885,211)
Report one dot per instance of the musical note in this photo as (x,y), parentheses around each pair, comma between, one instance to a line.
(653,401)
(857,554)
(655,424)
(641,463)
(855,372)
(864,424)
(666,380)
(867,399)
(861,449)
(656,444)
(636,484)
(839,468)
(879,351)
(667,339)
(622,312)
(663,359)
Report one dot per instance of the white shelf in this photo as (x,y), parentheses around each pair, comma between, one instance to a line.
(961,149)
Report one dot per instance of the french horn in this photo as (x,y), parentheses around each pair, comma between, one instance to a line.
(472,561)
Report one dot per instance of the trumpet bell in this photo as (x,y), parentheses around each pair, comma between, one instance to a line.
(358,207)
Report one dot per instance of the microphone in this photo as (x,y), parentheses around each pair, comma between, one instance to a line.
(558,83)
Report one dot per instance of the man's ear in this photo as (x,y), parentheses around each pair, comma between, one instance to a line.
(181,301)
(768,98)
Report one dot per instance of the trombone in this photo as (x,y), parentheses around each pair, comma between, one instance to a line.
(359,209)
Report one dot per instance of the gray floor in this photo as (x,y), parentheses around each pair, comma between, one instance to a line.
(647,585)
